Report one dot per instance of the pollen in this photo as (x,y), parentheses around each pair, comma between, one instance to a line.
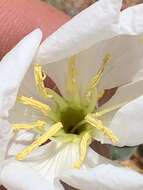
(39,125)
(85,141)
(44,108)
(72,87)
(99,125)
(96,79)
(39,141)
(39,78)
(91,95)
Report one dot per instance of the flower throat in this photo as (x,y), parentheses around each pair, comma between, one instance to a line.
(70,117)
(74,115)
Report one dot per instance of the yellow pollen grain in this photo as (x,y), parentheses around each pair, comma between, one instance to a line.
(39,141)
(39,79)
(35,125)
(72,87)
(96,79)
(44,108)
(46,92)
(99,125)
(85,141)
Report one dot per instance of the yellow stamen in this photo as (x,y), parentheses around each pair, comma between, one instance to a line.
(94,100)
(99,125)
(108,110)
(96,79)
(39,79)
(85,141)
(39,125)
(41,140)
(44,108)
(91,94)
(72,87)
(46,92)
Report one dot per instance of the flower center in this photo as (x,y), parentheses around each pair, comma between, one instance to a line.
(75,117)
(70,117)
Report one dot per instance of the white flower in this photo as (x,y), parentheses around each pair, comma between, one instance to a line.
(99,34)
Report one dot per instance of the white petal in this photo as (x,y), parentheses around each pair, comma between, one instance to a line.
(5,135)
(131,20)
(82,31)
(19,141)
(48,162)
(58,158)
(122,58)
(127,123)
(13,68)
(17,176)
(105,177)
(125,94)
(130,24)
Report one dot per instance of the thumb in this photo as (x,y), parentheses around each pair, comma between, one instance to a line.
(19,17)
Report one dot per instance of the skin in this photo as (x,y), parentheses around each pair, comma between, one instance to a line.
(20,17)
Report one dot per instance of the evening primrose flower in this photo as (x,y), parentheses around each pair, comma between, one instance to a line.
(84,57)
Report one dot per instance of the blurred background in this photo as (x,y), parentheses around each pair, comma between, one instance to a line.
(72,7)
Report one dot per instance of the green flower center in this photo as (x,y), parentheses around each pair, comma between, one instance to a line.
(70,117)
